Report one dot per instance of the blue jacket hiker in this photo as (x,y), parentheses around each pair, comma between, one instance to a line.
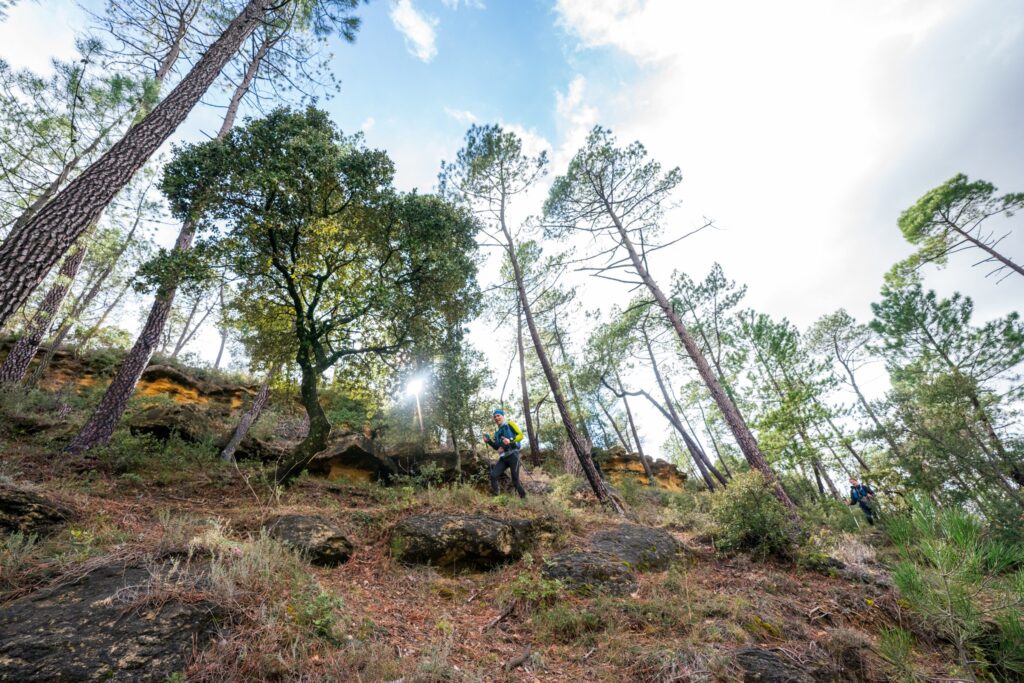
(862,495)
(506,441)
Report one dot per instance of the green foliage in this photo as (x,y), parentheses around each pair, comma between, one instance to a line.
(950,217)
(535,591)
(959,580)
(896,645)
(316,611)
(748,517)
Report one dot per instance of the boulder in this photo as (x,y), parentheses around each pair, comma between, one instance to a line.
(589,571)
(86,632)
(314,536)
(161,421)
(765,666)
(352,456)
(30,513)
(642,547)
(252,448)
(460,541)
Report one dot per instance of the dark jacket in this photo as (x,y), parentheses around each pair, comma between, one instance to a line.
(860,492)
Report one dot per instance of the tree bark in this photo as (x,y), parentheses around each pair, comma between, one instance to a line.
(101,424)
(531,433)
(20,356)
(582,451)
(744,437)
(249,418)
(29,252)
(319,426)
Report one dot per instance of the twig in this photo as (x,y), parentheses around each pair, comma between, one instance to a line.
(501,617)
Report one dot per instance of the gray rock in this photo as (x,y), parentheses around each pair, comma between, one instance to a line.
(312,535)
(588,571)
(642,547)
(764,666)
(28,512)
(83,632)
(460,541)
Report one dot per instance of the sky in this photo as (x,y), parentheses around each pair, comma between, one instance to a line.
(802,127)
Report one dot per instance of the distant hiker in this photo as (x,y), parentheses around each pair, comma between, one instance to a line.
(862,495)
(506,441)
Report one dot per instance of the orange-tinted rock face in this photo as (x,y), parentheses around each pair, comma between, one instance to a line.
(618,465)
(67,370)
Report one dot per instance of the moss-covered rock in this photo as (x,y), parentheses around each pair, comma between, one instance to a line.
(643,548)
(460,541)
(89,631)
(312,535)
(29,512)
(589,571)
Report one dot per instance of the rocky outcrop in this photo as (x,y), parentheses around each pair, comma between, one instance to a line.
(68,369)
(312,535)
(29,512)
(617,466)
(161,421)
(642,548)
(89,631)
(460,541)
(352,456)
(589,571)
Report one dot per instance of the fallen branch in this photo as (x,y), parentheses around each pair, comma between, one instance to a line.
(518,660)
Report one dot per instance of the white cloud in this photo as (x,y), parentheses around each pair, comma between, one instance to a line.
(463,116)
(367,125)
(32,34)
(472,4)
(418,29)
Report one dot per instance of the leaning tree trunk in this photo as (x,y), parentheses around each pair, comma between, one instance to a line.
(98,430)
(582,452)
(703,463)
(249,418)
(531,433)
(319,426)
(615,426)
(30,252)
(744,437)
(18,359)
(636,437)
(104,419)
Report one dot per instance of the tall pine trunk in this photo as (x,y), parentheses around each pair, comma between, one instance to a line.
(578,445)
(531,433)
(103,421)
(18,359)
(30,252)
(741,432)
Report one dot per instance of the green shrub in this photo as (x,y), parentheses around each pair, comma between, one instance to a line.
(965,585)
(748,517)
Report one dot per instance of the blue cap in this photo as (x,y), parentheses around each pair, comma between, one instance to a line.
(498,411)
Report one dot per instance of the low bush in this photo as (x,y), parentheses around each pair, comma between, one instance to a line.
(748,517)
